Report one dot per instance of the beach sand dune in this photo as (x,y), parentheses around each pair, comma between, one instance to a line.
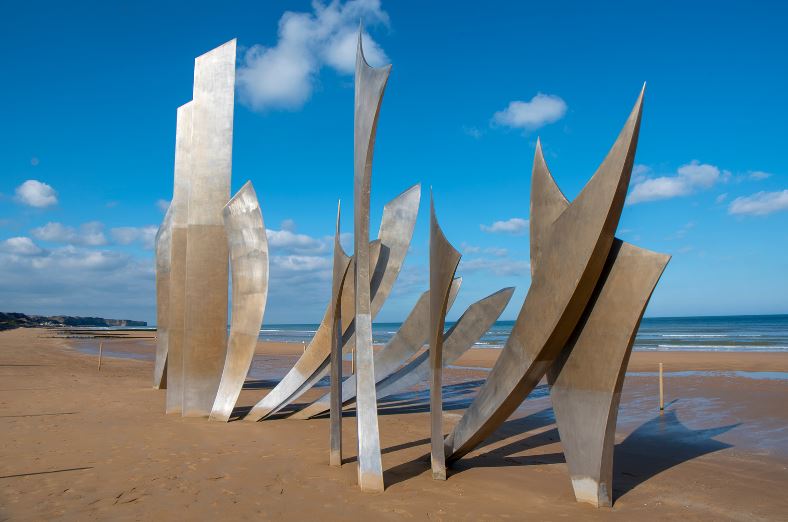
(87,445)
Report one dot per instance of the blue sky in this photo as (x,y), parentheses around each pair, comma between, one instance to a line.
(89,92)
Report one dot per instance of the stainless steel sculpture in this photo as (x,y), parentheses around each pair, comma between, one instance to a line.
(570,248)
(587,377)
(177,298)
(206,242)
(341,265)
(474,322)
(248,245)
(388,252)
(163,261)
(408,340)
(444,259)
(577,325)
(370,85)
(586,380)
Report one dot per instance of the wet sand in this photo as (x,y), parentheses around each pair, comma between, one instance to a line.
(83,444)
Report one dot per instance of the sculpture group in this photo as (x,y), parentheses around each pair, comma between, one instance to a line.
(576,327)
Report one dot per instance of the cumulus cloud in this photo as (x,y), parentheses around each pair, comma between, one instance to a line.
(688,179)
(88,234)
(290,241)
(145,236)
(283,76)
(539,111)
(37,194)
(760,203)
(22,246)
(75,280)
(163,205)
(721,198)
(758,175)
(510,226)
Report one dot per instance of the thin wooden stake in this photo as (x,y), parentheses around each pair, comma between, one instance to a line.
(101,349)
(661,390)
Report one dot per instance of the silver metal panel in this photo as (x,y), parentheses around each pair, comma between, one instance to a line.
(248,244)
(206,242)
(587,378)
(370,85)
(177,299)
(163,261)
(341,266)
(313,363)
(408,340)
(570,258)
(474,322)
(444,259)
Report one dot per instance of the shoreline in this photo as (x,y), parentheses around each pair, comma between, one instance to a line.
(86,444)
(640,361)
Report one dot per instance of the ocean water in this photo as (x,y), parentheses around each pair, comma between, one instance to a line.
(758,333)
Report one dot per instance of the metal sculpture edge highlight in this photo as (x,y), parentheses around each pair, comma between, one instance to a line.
(370,83)
(444,259)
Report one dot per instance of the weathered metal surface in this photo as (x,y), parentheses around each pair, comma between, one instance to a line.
(474,322)
(248,245)
(387,254)
(341,265)
(205,342)
(163,262)
(408,340)
(444,259)
(177,299)
(587,378)
(570,255)
(370,85)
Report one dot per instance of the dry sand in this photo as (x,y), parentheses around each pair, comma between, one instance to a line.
(82,445)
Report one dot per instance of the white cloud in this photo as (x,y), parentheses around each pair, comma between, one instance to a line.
(163,205)
(758,175)
(88,234)
(288,224)
(470,249)
(22,246)
(36,194)
(688,179)
(75,281)
(639,172)
(283,76)
(145,236)
(760,203)
(541,110)
(499,267)
(289,241)
(510,226)
(495,251)
(296,263)
(721,198)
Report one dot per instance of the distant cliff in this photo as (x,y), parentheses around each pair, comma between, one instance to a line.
(13,320)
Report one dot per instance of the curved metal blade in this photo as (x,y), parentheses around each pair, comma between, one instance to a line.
(248,245)
(571,254)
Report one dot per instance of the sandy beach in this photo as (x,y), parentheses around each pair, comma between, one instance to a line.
(83,444)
